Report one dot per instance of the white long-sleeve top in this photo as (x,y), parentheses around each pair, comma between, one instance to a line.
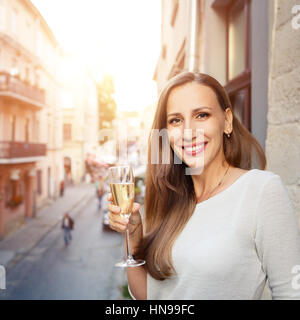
(234,242)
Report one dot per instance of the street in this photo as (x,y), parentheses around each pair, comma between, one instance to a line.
(83,270)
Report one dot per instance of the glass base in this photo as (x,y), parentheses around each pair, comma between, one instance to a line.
(130,263)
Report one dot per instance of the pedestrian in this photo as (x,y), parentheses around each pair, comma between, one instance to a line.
(62,188)
(212,226)
(67,226)
(100,192)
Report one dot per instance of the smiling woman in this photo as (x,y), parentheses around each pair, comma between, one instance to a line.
(218,234)
(227,145)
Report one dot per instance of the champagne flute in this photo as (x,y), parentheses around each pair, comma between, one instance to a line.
(121,181)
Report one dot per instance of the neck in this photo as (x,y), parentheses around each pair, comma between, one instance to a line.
(210,177)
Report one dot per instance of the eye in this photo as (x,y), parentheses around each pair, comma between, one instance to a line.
(202,115)
(174,121)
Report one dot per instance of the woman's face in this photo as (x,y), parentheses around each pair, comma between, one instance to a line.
(194,106)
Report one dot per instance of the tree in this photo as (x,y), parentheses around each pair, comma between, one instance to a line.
(106,103)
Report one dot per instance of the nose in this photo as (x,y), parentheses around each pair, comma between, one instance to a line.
(188,134)
(187,130)
(191,134)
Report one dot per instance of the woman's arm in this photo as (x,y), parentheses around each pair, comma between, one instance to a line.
(277,240)
(137,276)
(137,282)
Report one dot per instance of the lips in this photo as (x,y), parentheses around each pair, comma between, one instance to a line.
(194,149)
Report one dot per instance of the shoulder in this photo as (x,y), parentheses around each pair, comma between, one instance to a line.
(271,188)
(261,181)
(260,177)
(254,177)
(266,177)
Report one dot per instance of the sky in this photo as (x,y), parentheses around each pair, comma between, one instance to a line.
(116,37)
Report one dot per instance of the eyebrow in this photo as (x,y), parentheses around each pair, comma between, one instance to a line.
(193,111)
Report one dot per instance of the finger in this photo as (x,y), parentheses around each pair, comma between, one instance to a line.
(117,218)
(117,226)
(114,209)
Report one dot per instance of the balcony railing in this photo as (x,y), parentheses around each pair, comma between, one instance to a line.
(10,150)
(19,89)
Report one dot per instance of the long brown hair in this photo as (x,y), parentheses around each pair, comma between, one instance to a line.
(170,198)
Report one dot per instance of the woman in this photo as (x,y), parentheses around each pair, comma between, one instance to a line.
(219,234)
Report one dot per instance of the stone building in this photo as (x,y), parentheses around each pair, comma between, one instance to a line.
(30,113)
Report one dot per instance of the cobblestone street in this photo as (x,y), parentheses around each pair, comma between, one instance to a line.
(40,266)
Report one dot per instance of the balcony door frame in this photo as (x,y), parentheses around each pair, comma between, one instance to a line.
(242,81)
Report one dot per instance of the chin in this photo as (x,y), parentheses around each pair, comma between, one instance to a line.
(192,163)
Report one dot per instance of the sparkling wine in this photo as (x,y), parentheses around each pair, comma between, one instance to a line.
(123,197)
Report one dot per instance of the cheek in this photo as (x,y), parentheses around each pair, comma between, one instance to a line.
(211,129)
(175,136)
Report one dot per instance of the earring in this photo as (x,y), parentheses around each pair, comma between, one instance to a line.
(228,135)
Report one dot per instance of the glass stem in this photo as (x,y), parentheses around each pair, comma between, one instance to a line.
(129,255)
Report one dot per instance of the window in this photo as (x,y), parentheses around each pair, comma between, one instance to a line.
(236,39)
(27,130)
(13,127)
(14,193)
(238,73)
(67,131)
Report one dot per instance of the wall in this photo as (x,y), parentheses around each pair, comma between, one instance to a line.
(283,135)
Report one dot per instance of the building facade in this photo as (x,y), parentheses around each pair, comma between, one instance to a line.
(80,118)
(30,113)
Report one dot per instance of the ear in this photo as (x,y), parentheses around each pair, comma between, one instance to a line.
(228,120)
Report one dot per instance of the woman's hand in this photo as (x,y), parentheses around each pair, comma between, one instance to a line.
(120,224)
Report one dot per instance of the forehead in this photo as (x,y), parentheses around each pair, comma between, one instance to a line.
(191,95)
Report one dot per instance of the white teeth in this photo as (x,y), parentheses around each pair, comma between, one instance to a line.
(194,149)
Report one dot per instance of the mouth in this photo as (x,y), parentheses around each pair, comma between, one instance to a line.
(194,149)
